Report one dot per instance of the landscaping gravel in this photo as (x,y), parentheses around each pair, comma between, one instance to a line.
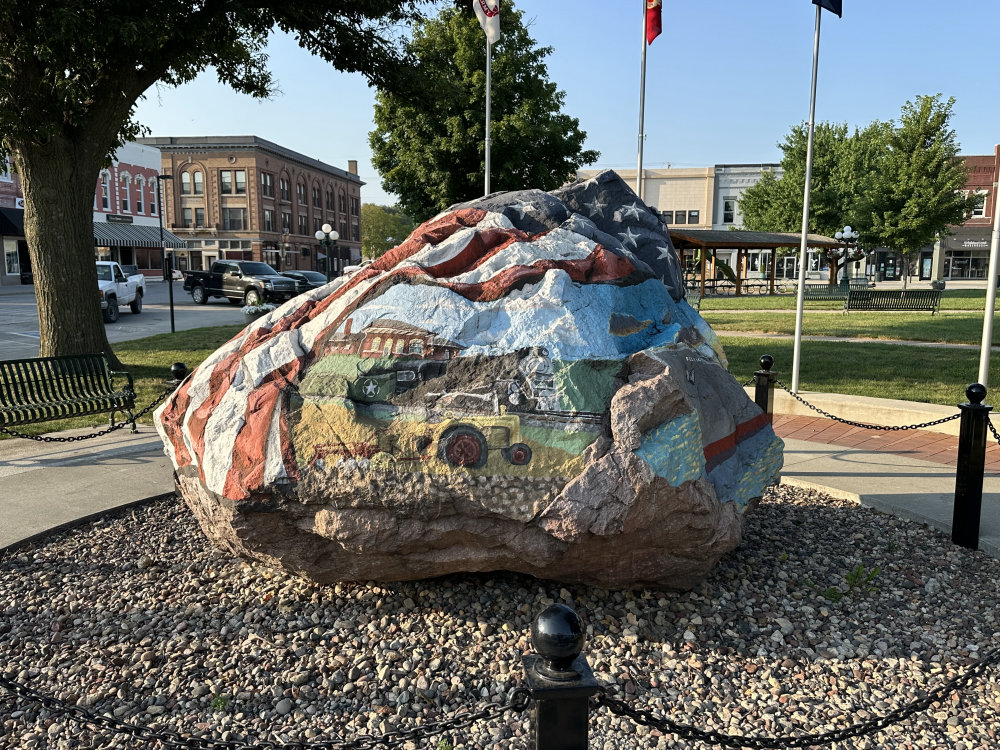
(827,615)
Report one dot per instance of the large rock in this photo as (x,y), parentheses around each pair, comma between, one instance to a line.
(520,385)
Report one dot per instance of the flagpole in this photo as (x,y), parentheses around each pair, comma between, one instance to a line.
(489,68)
(642,104)
(800,297)
(991,292)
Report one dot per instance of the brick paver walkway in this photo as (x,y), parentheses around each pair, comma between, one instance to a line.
(924,445)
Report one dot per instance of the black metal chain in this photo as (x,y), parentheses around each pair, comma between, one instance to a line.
(861,729)
(890,428)
(519,701)
(88,436)
(989,423)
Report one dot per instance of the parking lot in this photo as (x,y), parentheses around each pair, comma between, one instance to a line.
(19,317)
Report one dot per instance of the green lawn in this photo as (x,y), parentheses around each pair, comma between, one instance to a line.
(951,299)
(950,327)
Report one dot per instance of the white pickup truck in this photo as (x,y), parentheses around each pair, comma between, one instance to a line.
(117,289)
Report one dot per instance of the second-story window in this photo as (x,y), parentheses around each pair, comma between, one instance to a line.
(303,224)
(105,191)
(185,183)
(329,200)
(267,184)
(317,200)
(286,189)
(355,206)
(226,181)
(140,188)
(286,222)
(728,210)
(694,217)
(240,177)
(126,193)
(300,193)
(199,184)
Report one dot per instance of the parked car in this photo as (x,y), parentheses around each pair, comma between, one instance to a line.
(246,281)
(115,289)
(306,280)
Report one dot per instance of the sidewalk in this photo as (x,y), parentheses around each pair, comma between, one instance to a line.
(909,473)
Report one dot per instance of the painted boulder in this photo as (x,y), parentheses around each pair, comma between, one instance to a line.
(518,386)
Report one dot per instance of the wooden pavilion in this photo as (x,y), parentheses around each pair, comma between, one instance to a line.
(711,240)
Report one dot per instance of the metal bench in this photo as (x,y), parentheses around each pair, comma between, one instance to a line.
(46,388)
(921,300)
(823,291)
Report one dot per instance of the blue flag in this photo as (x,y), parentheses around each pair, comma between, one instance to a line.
(834,6)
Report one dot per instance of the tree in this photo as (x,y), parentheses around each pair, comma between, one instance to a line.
(384,228)
(431,152)
(899,185)
(71,73)
(918,190)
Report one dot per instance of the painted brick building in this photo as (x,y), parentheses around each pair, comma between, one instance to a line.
(245,198)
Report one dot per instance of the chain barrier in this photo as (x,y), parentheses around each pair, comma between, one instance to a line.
(519,701)
(74,438)
(989,423)
(861,729)
(891,428)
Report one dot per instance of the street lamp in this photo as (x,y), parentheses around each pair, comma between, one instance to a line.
(329,238)
(168,266)
(284,249)
(847,236)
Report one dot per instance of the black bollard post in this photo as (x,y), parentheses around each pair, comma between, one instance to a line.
(560,680)
(970,469)
(764,386)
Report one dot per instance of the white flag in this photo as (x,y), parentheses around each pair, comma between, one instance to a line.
(488,13)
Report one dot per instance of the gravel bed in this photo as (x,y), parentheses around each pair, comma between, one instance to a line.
(138,618)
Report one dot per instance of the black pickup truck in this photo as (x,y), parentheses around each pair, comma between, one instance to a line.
(240,281)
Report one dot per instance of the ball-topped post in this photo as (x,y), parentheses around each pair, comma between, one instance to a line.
(970,468)
(557,635)
(763,394)
(559,679)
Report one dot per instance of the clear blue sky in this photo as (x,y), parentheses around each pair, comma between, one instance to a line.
(724,82)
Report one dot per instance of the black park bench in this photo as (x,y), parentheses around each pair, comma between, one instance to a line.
(833,291)
(46,388)
(906,300)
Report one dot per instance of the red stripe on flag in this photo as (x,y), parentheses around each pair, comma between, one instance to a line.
(730,441)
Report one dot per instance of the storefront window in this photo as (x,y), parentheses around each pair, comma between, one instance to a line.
(11,265)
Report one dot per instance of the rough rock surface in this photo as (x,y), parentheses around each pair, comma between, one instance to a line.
(519,386)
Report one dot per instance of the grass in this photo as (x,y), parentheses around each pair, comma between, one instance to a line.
(148,360)
(952,328)
(911,373)
(956,299)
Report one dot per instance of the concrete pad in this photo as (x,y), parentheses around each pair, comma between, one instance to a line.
(905,487)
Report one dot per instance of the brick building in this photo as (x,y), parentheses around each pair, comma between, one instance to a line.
(245,198)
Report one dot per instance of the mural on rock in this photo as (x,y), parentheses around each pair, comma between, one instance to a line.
(519,385)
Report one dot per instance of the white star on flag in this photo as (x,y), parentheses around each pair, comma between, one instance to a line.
(633,209)
(664,251)
(596,208)
(628,237)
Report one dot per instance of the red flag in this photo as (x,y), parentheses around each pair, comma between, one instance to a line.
(654,24)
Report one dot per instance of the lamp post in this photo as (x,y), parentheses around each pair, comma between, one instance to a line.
(284,249)
(168,266)
(329,238)
(847,236)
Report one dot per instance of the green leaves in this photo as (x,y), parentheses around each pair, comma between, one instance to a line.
(431,151)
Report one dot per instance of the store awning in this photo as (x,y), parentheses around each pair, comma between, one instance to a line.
(12,222)
(133,235)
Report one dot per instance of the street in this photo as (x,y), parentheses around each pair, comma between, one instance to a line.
(19,317)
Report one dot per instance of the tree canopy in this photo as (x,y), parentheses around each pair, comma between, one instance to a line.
(70,77)
(382,228)
(899,184)
(431,152)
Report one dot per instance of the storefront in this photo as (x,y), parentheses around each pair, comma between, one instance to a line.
(965,254)
(133,244)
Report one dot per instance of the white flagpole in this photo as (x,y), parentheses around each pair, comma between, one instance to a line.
(991,292)
(489,68)
(642,104)
(797,350)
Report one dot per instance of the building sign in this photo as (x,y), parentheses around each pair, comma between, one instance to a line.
(116,219)
(975,243)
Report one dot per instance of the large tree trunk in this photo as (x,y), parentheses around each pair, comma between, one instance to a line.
(59,178)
